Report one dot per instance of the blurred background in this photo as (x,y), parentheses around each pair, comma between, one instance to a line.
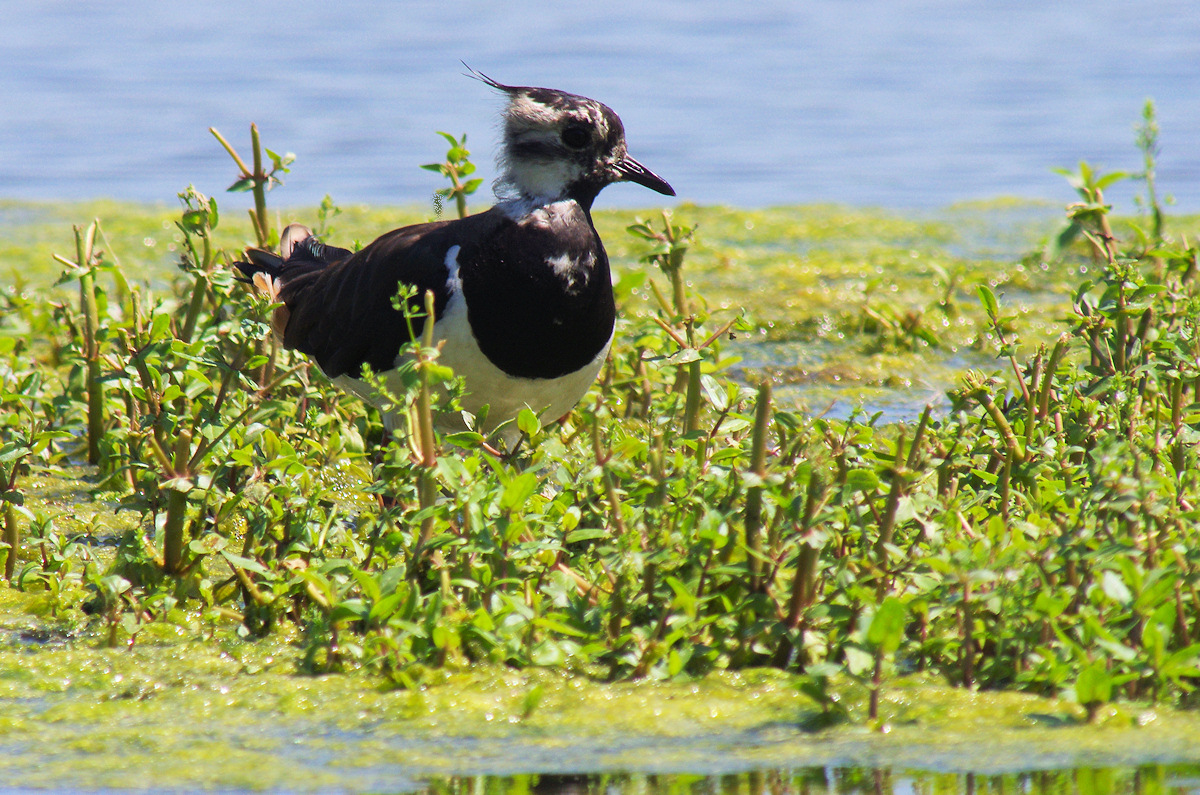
(905,104)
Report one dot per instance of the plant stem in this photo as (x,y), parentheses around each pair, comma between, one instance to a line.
(758,465)
(968,639)
(876,685)
(197,304)
(173,531)
(84,242)
(804,584)
(673,265)
(426,484)
(12,538)
(888,525)
(1056,355)
(1015,451)
(232,152)
(424,398)
(610,487)
(260,189)
(691,409)
(177,498)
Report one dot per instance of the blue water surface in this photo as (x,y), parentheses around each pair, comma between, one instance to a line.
(898,103)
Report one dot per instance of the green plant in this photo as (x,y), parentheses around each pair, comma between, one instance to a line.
(456,167)
(257,180)
(1147,141)
(1037,533)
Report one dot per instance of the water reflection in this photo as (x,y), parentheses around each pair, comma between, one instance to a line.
(1147,780)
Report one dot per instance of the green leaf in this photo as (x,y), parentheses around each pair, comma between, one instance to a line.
(114,585)
(1114,588)
(468,439)
(988,299)
(482,620)
(1049,605)
(368,584)
(178,484)
(531,700)
(715,392)
(349,609)
(242,185)
(1094,685)
(1062,241)
(571,517)
(444,637)
(559,627)
(586,534)
(518,490)
(887,625)
(243,563)
(862,480)
(685,356)
(675,662)
(438,373)
(280,162)
(528,423)
(385,607)
(858,661)
(208,544)
(1109,179)
(195,220)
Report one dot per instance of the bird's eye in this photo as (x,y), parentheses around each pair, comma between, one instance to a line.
(576,137)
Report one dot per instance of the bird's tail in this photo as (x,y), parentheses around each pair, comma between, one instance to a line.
(264,268)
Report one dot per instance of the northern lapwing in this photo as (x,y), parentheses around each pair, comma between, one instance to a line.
(524,308)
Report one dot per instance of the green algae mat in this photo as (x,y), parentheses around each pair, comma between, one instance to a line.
(200,708)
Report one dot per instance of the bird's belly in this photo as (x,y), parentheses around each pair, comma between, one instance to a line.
(505,395)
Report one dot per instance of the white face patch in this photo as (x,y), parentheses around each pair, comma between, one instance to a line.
(543,179)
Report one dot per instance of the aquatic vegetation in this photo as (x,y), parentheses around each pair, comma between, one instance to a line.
(1037,533)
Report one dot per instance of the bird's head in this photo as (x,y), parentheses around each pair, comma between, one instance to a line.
(559,145)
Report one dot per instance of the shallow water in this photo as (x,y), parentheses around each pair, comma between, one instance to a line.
(916,103)
(1178,780)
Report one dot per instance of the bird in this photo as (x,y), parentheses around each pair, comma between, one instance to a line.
(523,302)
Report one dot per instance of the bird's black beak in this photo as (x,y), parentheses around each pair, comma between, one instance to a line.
(630,170)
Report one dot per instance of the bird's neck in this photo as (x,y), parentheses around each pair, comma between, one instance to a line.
(535,184)
(522,205)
